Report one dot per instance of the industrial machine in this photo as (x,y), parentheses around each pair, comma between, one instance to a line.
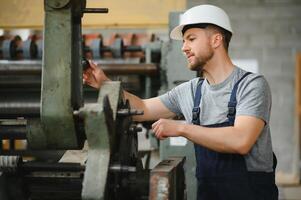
(74,146)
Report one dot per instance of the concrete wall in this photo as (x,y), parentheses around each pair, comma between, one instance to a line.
(270,32)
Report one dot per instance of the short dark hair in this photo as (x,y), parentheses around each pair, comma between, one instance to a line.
(189,26)
(227,35)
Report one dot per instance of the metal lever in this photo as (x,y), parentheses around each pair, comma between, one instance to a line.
(128,112)
(96,10)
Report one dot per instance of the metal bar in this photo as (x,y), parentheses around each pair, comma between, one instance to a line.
(96,10)
(43,166)
(17,132)
(34,68)
(143,69)
(20,69)
(15,110)
(120,168)
(132,48)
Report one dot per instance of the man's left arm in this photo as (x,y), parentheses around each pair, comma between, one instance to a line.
(234,139)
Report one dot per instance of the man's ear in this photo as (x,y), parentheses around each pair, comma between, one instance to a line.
(216,40)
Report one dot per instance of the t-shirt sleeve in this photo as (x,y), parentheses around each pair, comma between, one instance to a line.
(172,98)
(254,98)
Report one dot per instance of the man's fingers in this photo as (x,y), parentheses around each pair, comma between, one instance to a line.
(87,73)
(85,76)
(155,129)
(156,123)
(93,65)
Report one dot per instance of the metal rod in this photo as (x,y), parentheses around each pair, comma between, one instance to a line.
(143,69)
(132,48)
(123,168)
(13,110)
(17,68)
(17,132)
(96,10)
(23,67)
(43,166)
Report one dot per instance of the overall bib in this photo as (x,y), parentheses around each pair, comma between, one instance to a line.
(224,176)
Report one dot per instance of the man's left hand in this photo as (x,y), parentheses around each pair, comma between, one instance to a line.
(164,128)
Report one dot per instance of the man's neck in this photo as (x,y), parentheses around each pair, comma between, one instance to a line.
(218,69)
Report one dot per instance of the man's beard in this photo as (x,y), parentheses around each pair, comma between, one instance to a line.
(201,61)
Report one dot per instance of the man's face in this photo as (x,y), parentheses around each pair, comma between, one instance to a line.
(197,48)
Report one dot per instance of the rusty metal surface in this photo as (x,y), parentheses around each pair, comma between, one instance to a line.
(167,180)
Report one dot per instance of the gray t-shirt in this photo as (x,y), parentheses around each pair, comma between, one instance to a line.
(253,99)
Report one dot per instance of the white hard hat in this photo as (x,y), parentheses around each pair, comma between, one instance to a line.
(208,14)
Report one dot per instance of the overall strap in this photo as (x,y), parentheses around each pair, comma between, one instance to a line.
(196,103)
(232,103)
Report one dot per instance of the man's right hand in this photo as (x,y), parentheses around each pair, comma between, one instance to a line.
(153,108)
(94,76)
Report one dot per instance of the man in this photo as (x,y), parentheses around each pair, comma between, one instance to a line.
(228,112)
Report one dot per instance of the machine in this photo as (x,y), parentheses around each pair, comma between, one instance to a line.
(71,147)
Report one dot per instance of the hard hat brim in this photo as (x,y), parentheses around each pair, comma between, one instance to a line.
(176,33)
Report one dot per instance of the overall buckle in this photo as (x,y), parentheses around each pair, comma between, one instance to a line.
(232,108)
(196,115)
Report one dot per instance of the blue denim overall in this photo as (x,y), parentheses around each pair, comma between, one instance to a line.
(224,176)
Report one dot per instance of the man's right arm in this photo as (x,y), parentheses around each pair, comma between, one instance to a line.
(153,108)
